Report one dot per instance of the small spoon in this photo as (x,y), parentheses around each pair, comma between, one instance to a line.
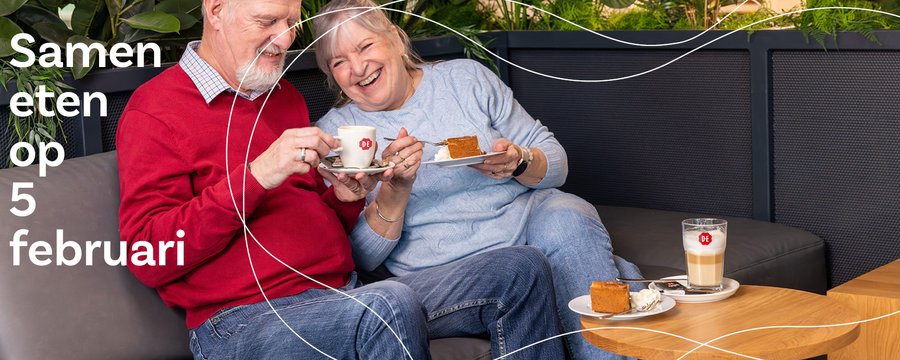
(647,307)
(442,143)
(641,280)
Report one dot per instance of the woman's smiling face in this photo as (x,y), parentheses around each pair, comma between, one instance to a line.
(369,68)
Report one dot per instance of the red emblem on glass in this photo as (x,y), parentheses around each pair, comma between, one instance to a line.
(705,238)
(365,143)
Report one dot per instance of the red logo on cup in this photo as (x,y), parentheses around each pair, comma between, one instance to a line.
(365,143)
(705,238)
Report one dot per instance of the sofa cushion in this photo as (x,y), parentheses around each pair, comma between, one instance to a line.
(78,312)
(758,252)
(99,311)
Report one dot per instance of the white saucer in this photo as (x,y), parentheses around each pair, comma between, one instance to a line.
(471,160)
(327,164)
(582,305)
(730,286)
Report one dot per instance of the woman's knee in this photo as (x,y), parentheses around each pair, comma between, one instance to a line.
(521,262)
(392,296)
(565,225)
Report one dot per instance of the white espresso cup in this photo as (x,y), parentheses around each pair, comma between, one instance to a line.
(704,241)
(358,145)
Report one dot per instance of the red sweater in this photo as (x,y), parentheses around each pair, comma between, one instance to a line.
(171,150)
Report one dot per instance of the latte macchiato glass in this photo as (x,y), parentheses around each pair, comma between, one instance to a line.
(704,242)
(357,146)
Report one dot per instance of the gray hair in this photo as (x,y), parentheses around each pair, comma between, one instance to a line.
(373,20)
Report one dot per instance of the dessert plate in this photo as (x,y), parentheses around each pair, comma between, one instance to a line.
(582,305)
(328,163)
(471,160)
(730,286)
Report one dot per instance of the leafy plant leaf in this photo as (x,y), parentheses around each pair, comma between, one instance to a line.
(187,21)
(132,35)
(114,7)
(32,15)
(79,68)
(154,21)
(84,14)
(52,4)
(177,6)
(53,32)
(8,29)
(10,6)
(618,4)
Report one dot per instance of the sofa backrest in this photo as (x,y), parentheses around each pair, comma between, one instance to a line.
(77,312)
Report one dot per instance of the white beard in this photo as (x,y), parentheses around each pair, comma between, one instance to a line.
(257,79)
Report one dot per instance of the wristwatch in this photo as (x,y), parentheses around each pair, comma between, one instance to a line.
(526,159)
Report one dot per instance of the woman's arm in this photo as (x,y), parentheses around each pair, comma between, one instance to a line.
(549,165)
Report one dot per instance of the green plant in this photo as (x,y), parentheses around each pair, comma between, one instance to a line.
(588,14)
(305,34)
(512,16)
(35,128)
(169,23)
(821,24)
(638,19)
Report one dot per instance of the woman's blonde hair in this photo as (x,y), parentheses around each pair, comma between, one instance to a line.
(374,20)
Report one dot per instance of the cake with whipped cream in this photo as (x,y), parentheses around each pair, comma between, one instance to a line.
(609,297)
(459,147)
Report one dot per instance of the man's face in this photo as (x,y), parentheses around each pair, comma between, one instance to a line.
(262,27)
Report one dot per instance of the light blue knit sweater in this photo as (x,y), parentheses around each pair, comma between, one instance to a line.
(453,212)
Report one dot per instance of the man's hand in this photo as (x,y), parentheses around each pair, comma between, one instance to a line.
(349,189)
(503,165)
(296,151)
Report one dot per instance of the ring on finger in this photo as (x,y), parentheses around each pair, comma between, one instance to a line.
(407,165)
(303,154)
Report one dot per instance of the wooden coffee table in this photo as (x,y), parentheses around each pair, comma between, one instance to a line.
(750,307)
(873,294)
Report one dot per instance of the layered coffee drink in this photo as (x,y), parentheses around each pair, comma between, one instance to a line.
(704,247)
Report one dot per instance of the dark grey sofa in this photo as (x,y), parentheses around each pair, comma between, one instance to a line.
(103,312)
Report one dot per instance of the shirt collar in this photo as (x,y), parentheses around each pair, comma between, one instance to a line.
(207,79)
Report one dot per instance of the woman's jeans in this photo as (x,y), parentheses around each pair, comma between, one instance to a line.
(506,293)
(569,232)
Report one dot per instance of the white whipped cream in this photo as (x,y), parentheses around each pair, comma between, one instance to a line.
(442,154)
(643,298)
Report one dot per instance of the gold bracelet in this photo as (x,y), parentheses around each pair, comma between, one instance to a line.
(378,212)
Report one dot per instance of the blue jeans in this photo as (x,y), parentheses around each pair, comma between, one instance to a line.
(569,232)
(504,293)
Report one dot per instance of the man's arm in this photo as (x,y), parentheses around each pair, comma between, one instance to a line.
(158,199)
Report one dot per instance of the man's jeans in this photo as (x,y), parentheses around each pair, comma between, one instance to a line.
(505,293)
(569,232)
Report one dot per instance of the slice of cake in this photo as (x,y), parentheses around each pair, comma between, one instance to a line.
(609,297)
(465,146)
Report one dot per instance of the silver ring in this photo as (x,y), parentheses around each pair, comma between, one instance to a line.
(302,154)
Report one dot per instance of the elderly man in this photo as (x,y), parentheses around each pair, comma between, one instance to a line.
(244,295)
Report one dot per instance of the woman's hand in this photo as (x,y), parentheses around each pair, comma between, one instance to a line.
(347,188)
(503,165)
(406,153)
(296,151)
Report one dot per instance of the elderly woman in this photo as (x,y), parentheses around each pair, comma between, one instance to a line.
(428,215)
